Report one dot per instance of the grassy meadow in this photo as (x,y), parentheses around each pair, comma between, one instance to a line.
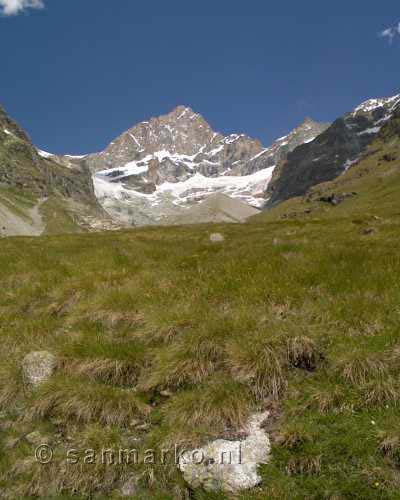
(163,337)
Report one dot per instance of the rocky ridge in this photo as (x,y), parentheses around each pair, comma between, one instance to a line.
(161,166)
(32,180)
(24,167)
(333,152)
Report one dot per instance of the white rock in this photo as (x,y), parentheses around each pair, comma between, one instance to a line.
(229,466)
(217,238)
(37,367)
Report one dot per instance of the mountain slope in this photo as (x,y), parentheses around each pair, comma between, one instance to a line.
(367,189)
(331,153)
(39,194)
(215,208)
(157,167)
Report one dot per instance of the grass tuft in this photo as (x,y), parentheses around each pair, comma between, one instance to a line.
(218,408)
(360,370)
(188,361)
(83,401)
(304,466)
(390,446)
(260,364)
(118,363)
(302,352)
(382,392)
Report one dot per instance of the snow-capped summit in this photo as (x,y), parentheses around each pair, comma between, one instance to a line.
(373,104)
(164,165)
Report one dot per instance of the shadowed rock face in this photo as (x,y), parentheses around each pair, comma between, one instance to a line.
(332,152)
(20,165)
(177,148)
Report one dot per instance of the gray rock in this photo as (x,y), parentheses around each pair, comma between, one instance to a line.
(37,367)
(229,466)
(37,438)
(129,488)
(217,238)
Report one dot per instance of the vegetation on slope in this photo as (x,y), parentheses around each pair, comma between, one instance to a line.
(164,337)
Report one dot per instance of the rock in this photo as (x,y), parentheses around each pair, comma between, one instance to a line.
(11,442)
(217,238)
(37,367)
(230,466)
(129,488)
(389,157)
(369,231)
(134,422)
(336,199)
(5,425)
(143,427)
(36,438)
(166,394)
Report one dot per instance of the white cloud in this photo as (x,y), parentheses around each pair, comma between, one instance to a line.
(14,7)
(391,33)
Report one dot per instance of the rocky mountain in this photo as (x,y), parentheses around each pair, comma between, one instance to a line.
(333,152)
(38,191)
(160,167)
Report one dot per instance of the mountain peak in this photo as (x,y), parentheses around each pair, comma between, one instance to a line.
(181,112)
(308,120)
(371,105)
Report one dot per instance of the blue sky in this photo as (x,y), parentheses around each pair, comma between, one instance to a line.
(77,73)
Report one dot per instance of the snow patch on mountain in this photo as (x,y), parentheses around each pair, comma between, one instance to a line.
(248,188)
(372,130)
(373,104)
(174,161)
(44,154)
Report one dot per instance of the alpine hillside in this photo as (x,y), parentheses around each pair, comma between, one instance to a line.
(40,193)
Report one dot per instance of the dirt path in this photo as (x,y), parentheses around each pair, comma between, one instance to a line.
(13,225)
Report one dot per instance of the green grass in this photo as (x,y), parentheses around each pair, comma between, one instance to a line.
(57,218)
(165,337)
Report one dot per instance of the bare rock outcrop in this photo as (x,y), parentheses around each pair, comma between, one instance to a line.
(230,466)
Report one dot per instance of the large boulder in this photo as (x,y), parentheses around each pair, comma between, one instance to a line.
(37,367)
(229,466)
(217,238)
